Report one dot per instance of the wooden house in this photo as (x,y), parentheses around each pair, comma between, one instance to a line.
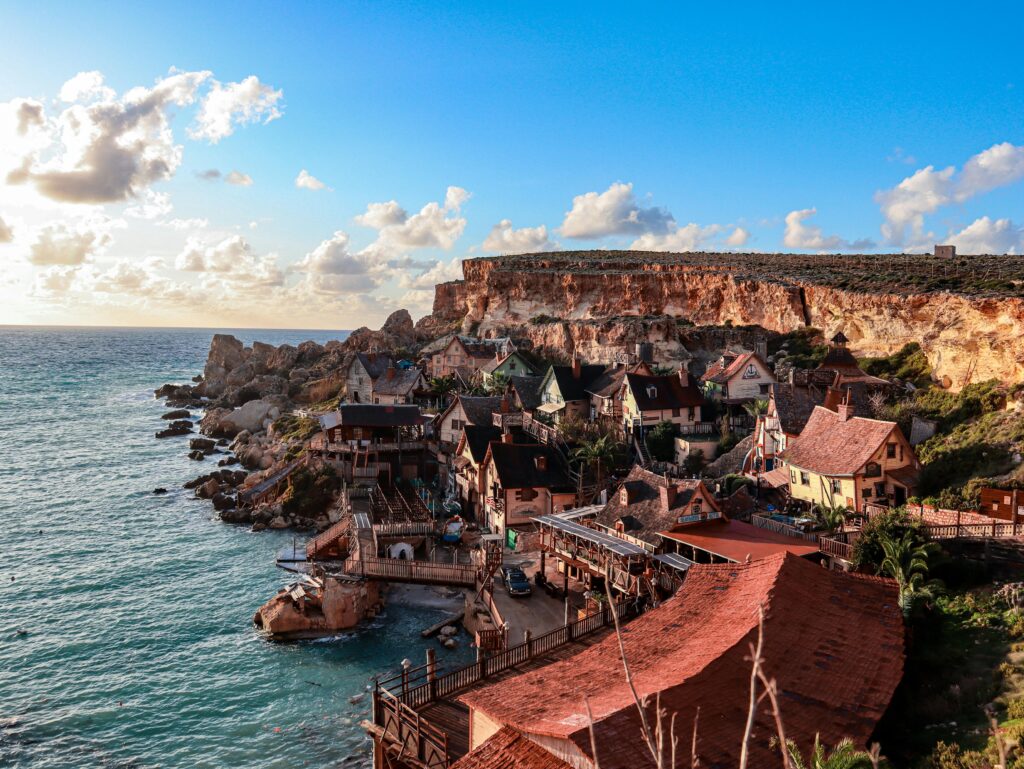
(648,400)
(738,378)
(374,443)
(363,370)
(468,353)
(507,366)
(563,393)
(845,460)
(606,392)
(398,385)
(522,482)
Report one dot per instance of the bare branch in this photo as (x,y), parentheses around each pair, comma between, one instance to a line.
(694,761)
(590,728)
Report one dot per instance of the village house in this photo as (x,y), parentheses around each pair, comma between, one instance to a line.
(466,410)
(522,482)
(363,370)
(524,392)
(606,392)
(367,444)
(844,460)
(469,354)
(648,400)
(646,504)
(398,385)
(512,364)
(737,378)
(692,654)
(469,455)
(790,405)
(840,360)
(563,393)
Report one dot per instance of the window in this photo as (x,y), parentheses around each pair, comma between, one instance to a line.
(880,489)
(696,505)
(675,412)
(511,365)
(866,492)
(652,391)
(805,479)
(890,451)
(763,389)
(836,485)
(872,470)
(689,415)
(792,475)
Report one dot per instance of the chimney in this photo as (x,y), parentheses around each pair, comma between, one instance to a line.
(390,373)
(761,349)
(845,411)
(684,377)
(576,371)
(506,437)
(503,406)
(541,462)
(668,496)
(945,252)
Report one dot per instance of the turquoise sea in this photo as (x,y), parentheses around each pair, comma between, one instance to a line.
(125,618)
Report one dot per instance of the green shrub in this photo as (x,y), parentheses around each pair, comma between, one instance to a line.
(541,319)
(867,550)
(661,441)
(908,363)
(1015,709)
(310,492)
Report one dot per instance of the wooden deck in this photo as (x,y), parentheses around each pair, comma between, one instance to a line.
(452,717)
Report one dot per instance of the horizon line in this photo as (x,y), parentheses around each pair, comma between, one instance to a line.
(165,328)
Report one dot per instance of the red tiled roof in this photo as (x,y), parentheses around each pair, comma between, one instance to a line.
(726,367)
(830,445)
(832,641)
(508,749)
(737,540)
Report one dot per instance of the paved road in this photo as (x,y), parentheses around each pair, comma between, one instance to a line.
(539,612)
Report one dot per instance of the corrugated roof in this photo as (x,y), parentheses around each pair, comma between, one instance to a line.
(830,445)
(739,541)
(833,642)
(607,541)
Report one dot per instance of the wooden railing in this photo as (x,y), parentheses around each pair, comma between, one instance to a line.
(409,733)
(994,530)
(373,446)
(404,528)
(835,548)
(462,678)
(770,524)
(492,640)
(422,572)
(327,537)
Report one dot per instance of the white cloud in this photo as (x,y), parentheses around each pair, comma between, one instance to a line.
(238,178)
(906,205)
(738,237)
(196,223)
(227,106)
(6,233)
(332,268)
(808,236)
(63,244)
(55,280)
(434,226)
(439,272)
(232,259)
(381,215)
(985,236)
(109,150)
(613,212)
(504,239)
(153,205)
(86,86)
(306,181)
(692,237)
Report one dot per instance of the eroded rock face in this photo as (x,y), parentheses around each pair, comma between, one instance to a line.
(966,338)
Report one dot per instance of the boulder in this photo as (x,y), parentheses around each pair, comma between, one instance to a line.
(222,501)
(208,489)
(175,429)
(195,483)
(249,416)
(159,490)
(278,523)
(205,445)
(259,526)
(226,354)
(177,414)
(235,515)
(197,456)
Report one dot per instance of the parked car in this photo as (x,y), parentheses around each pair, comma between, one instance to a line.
(516,582)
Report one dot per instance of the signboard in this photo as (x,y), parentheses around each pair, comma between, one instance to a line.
(751,372)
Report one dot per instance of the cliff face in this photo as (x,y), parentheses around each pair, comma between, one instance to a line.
(603,304)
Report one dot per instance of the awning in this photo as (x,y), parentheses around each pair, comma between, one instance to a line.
(777,477)
(551,408)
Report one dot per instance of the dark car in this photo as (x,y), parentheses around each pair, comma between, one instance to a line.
(516,582)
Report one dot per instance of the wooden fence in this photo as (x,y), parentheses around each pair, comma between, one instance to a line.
(405,731)
(462,678)
(420,572)
(770,524)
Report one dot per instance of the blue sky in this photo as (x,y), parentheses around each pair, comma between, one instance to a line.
(724,118)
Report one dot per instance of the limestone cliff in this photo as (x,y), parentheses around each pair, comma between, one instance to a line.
(598,303)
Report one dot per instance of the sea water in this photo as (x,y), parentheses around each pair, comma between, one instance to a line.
(126,635)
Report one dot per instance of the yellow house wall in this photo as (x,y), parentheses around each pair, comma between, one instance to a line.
(631,410)
(819,489)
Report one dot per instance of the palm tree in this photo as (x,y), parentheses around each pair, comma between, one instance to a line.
(497,384)
(757,407)
(442,386)
(906,561)
(598,453)
(843,756)
(832,517)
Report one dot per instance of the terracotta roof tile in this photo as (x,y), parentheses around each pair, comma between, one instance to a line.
(833,642)
(830,445)
(509,749)
(728,366)
(739,541)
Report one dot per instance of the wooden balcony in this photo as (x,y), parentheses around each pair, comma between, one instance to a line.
(370,447)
